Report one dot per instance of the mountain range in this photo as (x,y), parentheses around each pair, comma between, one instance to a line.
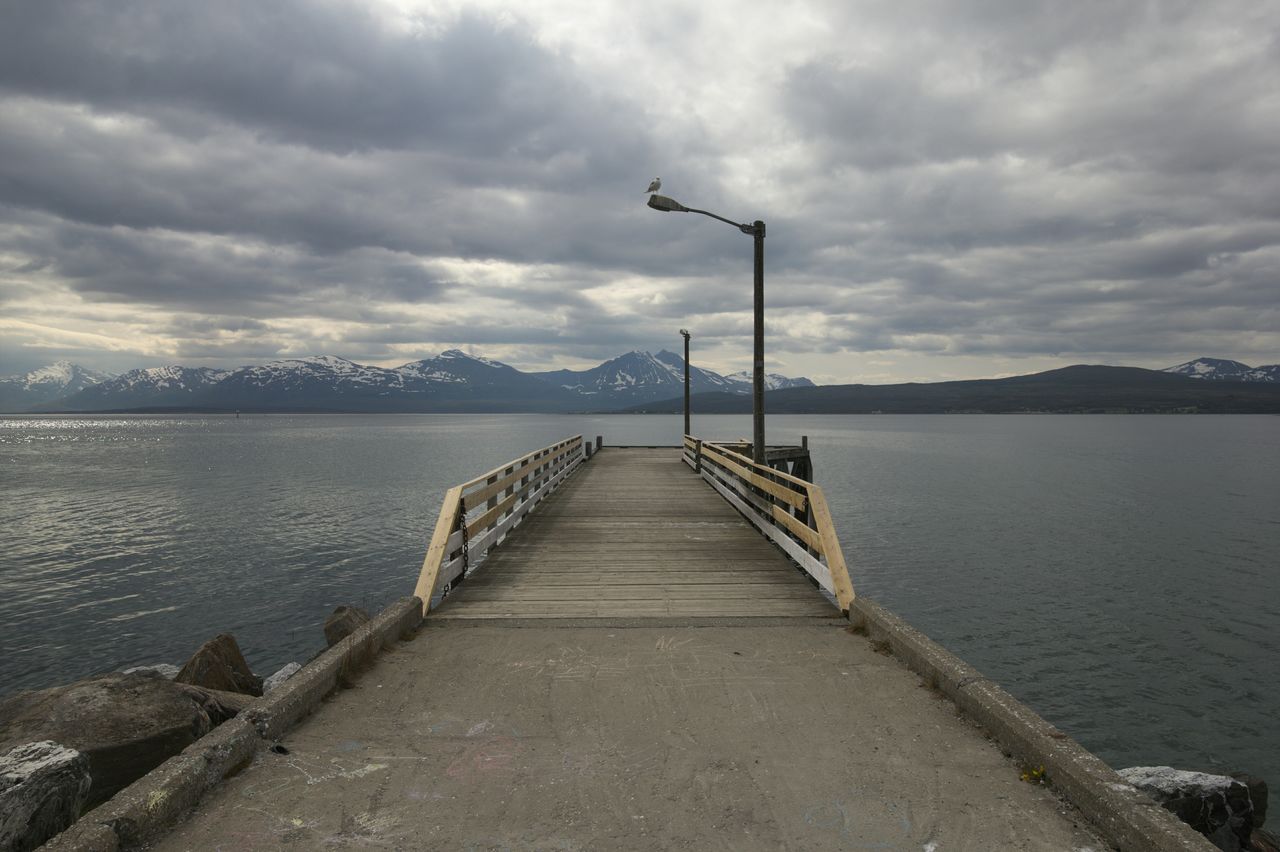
(451,381)
(455,381)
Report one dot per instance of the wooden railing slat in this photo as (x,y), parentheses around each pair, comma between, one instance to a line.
(449,552)
(502,467)
(492,515)
(797,533)
(811,564)
(782,492)
(798,527)
(488,491)
(496,511)
(488,538)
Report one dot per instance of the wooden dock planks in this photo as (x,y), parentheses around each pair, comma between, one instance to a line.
(635,534)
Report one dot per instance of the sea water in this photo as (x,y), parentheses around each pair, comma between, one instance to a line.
(1120,574)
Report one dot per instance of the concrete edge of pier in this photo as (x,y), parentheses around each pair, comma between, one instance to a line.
(1126,817)
(148,807)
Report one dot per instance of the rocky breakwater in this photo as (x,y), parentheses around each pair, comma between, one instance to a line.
(134,750)
(67,749)
(1229,810)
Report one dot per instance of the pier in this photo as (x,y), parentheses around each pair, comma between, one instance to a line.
(636,536)
(649,648)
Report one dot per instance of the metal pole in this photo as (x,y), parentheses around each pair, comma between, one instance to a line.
(756,230)
(687,431)
(757,390)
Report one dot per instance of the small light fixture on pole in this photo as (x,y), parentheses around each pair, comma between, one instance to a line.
(756,231)
(685,333)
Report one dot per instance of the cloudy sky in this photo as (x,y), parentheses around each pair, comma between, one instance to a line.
(952,189)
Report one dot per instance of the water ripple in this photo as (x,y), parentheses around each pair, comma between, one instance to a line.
(1116,573)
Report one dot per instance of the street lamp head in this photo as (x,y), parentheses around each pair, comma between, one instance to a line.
(685,332)
(666,205)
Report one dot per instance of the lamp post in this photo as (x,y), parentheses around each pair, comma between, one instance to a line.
(756,231)
(685,333)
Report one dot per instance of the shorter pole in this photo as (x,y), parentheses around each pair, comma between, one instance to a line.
(687,429)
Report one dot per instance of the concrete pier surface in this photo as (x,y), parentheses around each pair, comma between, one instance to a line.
(721,733)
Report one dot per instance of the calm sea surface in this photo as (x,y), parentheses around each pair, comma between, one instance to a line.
(1120,574)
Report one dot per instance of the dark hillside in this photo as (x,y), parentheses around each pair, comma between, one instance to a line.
(1078,389)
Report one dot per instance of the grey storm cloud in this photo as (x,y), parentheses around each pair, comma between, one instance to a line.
(323,75)
(992,178)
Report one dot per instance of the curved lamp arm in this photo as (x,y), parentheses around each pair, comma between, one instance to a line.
(670,205)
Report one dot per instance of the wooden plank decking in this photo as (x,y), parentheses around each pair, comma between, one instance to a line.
(634,534)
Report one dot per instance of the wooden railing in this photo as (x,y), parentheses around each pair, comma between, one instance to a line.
(476,515)
(790,511)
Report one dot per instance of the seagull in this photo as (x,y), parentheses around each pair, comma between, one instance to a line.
(655,185)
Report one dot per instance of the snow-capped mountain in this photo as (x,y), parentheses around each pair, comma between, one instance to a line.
(772,381)
(312,382)
(1224,370)
(19,393)
(451,381)
(638,377)
(455,367)
(699,380)
(457,381)
(635,375)
(153,387)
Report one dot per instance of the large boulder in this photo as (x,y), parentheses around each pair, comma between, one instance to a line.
(43,787)
(1217,806)
(343,622)
(220,665)
(124,724)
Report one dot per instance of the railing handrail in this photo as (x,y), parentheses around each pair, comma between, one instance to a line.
(789,510)
(459,544)
(520,460)
(743,449)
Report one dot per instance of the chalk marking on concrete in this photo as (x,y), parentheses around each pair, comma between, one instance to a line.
(479,728)
(493,755)
(670,643)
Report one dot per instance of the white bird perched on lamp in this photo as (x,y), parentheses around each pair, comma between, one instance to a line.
(655,185)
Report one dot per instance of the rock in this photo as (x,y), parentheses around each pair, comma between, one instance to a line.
(168,671)
(43,787)
(221,706)
(280,677)
(1217,806)
(343,622)
(220,665)
(124,724)
(1257,795)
